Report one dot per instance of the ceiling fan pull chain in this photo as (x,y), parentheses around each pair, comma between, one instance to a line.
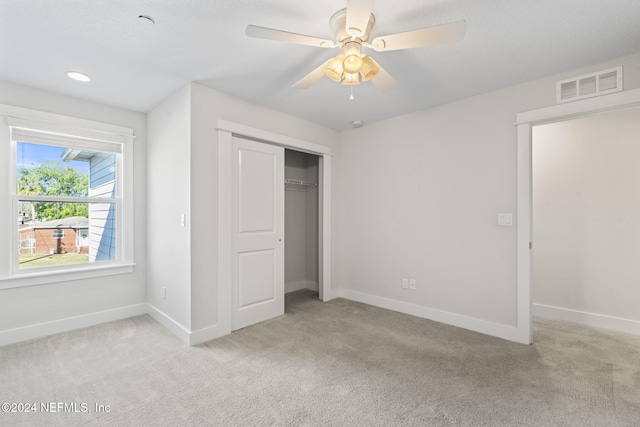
(351,97)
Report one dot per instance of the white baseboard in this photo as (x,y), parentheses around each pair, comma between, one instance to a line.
(299,285)
(589,319)
(207,334)
(174,327)
(295,286)
(45,329)
(188,337)
(510,333)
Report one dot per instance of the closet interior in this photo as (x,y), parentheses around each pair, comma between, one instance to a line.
(301,173)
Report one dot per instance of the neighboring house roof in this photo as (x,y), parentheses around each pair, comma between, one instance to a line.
(71,222)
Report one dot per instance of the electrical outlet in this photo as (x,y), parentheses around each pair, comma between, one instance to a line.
(505,219)
(405,283)
(164,292)
(412,284)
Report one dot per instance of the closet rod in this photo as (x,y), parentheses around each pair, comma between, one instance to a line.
(300,182)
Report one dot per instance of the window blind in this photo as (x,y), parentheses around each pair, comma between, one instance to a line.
(80,139)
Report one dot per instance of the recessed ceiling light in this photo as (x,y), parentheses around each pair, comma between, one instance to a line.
(78,76)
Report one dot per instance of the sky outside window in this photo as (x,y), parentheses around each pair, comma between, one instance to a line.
(30,155)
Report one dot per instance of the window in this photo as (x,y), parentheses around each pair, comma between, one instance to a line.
(63,183)
(68,191)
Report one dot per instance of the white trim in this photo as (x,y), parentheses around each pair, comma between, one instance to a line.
(585,318)
(272,138)
(524,122)
(10,275)
(207,334)
(226,130)
(498,330)
(295,286)
(40,330)
(523,224)
(71,272)
(584,107)
(324,229)
(55,122)
(65,199)
(225,205)
(172,326)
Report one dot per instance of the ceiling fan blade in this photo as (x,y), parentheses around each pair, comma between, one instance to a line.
(383,80)
(439,34)
(284,36)
(358,14)
(312,77)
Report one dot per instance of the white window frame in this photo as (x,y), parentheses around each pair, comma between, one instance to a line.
(87,130)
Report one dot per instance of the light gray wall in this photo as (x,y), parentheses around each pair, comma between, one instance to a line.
(586,227)
(168,197)
(419,197)
(414,196)
(32,305)
(184,140)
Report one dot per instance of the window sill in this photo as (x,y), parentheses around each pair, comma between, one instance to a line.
(21,279)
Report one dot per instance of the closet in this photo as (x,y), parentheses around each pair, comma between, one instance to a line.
(301,171)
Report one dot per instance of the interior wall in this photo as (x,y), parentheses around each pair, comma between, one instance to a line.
(208,106)
(70,302)
(419,198)
(301,223)
(168,198)
(586,227)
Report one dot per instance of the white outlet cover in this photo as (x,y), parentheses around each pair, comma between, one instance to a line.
(505,219)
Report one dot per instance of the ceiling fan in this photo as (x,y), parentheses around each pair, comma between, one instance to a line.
(351,29)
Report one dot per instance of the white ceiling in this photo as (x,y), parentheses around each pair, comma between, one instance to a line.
(135,65)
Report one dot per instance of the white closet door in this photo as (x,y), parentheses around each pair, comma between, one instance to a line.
(258,231)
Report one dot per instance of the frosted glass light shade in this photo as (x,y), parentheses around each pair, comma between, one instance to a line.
(352,58)
(369,68)
(334,69)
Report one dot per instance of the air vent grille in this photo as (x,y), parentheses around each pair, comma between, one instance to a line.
(608,81)
(589,85)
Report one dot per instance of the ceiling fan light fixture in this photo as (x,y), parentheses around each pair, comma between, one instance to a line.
(369,68)
(351,79)
(352,57)
(334,69)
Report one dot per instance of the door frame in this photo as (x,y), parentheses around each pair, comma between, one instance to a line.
(226,131)
(524,123)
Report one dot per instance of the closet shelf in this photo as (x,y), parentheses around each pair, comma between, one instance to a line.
(299,185)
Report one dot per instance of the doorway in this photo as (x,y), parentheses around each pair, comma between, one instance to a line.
(524,122)
(301,221)
(586,222)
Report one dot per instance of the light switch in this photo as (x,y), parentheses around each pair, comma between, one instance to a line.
(505,219)
(182,220)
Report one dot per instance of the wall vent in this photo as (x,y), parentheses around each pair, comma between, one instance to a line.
(589,85)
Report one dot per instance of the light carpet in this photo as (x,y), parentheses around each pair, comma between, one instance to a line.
(338,363)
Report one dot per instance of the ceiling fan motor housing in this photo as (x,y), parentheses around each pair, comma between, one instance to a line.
(338,25)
